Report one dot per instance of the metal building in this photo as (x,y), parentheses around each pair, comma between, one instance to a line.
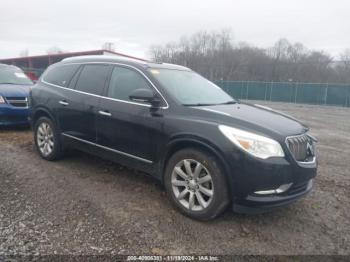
(34,66)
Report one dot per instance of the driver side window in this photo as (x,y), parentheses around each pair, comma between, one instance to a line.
(124,81)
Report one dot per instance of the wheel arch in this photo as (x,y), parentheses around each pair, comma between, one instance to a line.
(196,143)
(40,112)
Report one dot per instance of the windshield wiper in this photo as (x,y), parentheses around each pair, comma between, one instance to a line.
(199,104)
(20,84)
(231,102)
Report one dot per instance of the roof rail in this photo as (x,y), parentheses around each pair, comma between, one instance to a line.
(112,57)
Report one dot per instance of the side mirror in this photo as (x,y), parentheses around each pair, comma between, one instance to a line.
(144,95)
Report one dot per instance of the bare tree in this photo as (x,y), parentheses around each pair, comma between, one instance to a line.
(216,56)
(108,46)
(24,53)
(343,66)
(54,50)
(345,57)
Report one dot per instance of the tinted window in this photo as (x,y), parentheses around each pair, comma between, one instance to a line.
(124,81)
(60,75)
(74,79)
(92,79)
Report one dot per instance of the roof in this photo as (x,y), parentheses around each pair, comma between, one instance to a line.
(125,60)
(68,54)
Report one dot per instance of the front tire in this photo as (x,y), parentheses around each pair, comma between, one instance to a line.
(195,182)
(47,140)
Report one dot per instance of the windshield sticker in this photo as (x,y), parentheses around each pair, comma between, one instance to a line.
(21,75)
(155,72)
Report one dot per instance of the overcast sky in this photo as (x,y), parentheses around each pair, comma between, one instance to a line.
(134,25)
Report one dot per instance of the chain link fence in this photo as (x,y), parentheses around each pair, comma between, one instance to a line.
(292,92)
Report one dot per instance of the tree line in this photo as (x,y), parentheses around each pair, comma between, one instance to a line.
(216,56)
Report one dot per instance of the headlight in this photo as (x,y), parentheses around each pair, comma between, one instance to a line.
(256,145)
(2,100)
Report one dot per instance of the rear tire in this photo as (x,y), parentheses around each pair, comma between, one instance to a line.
(196,184)
(47,140)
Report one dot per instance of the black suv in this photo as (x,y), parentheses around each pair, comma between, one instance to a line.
(208,149)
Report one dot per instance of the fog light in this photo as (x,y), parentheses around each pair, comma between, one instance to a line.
(281,189)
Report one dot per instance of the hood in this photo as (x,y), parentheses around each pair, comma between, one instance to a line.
(9,90)
(254,118)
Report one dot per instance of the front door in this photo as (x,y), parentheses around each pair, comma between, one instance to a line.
(128,128)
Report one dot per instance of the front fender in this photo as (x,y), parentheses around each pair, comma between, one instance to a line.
(38,111)
(182,141)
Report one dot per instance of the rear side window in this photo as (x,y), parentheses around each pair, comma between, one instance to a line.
(60,75)
(124,81)
(92,79)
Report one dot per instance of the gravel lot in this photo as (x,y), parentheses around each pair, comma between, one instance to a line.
(85,205)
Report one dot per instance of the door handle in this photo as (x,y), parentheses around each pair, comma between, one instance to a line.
(104,113)
(63,102)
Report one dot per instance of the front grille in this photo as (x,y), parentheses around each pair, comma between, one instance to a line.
(17,101)
(301,147)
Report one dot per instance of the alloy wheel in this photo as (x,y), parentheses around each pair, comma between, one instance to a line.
(192,184)
(45,139)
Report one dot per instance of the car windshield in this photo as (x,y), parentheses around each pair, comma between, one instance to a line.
(13,75)
(190,88)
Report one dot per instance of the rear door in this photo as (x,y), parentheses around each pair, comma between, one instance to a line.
(59,79)
(79,108)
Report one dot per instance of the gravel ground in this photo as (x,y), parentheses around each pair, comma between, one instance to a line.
(85,205)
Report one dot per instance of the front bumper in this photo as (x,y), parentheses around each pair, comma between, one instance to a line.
(10,115)
(261,185)
(254,204)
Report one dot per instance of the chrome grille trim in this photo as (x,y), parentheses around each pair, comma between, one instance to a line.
(299,148)
(17,101)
